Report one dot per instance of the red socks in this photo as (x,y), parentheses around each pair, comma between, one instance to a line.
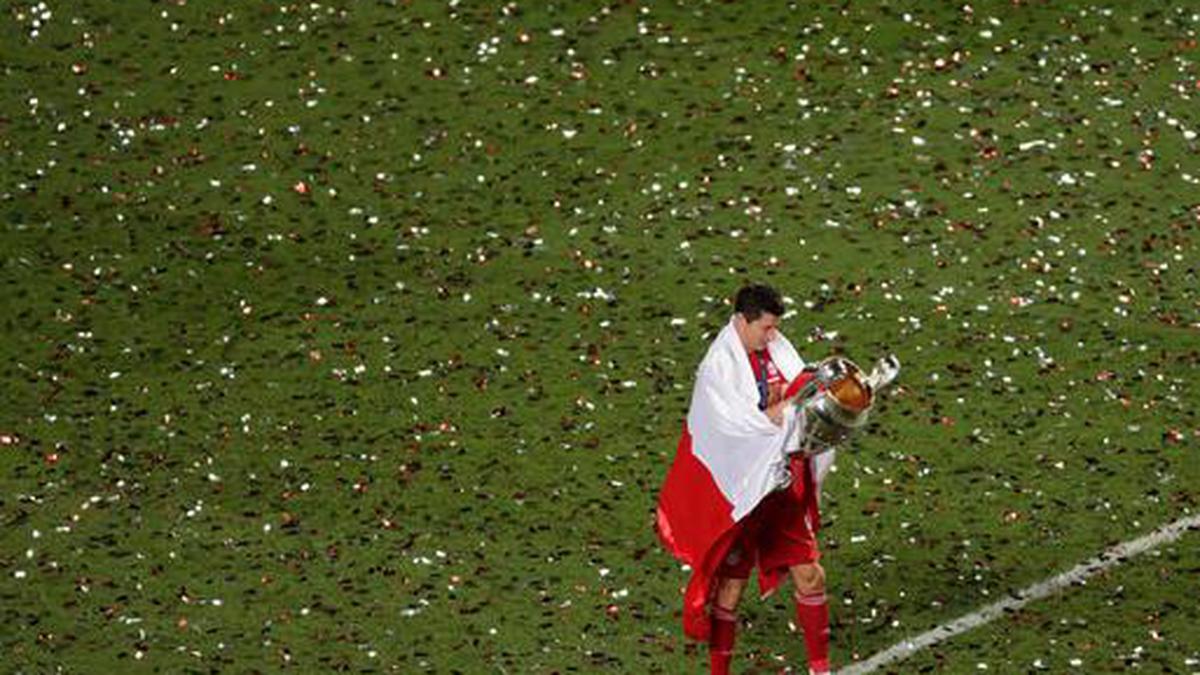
(812,613)
(720,640)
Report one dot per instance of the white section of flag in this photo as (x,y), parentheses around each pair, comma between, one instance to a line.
(745,453)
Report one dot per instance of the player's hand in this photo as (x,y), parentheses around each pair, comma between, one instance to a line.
(775,391)
(775,411)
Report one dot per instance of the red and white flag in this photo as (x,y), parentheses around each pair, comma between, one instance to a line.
(730,456)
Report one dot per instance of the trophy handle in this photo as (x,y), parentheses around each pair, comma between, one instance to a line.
(886,370)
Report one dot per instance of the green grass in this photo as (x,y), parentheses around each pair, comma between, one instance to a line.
(391,423)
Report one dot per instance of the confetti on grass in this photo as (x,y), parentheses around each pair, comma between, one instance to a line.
(380,280)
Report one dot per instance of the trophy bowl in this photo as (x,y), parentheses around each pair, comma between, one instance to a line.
(839,409)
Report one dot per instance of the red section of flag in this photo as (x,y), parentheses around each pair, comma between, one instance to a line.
(692,511)
(694,523)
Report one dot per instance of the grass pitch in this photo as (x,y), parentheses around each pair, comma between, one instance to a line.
(357,335)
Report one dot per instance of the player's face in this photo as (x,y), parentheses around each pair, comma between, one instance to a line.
(760,331)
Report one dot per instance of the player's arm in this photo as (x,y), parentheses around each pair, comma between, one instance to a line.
(810,380)
(777,410)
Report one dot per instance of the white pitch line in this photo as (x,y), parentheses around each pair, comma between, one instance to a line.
(1113,556)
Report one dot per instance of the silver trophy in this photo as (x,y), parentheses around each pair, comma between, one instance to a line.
(838,400)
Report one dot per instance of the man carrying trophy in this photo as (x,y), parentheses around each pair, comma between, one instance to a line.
(743,490)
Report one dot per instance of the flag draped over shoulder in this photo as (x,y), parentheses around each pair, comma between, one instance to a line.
(730,456)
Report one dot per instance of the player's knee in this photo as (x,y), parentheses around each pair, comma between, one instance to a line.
(729,593)
(809,579)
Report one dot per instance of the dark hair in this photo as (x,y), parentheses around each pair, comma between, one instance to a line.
(753,300)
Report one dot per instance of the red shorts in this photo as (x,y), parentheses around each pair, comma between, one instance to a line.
(776,535)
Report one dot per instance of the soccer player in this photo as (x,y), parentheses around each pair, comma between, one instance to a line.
(740,495)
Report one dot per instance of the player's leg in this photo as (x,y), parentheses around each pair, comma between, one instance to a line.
(812,613)
(723,615)
(729,581)
(809,578)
